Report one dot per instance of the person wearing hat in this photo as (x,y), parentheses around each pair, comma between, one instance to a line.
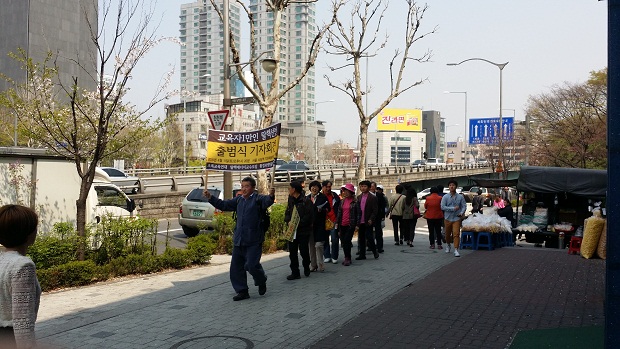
(346,223)
(305,209)
(367,213)
(248,236)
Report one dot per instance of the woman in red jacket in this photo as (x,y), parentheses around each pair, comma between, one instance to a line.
(434,217)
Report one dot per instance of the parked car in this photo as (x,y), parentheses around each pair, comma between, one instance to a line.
(280,162)
(196,213)
(128,184)
(295,168)
(419,164)
(434,163)
(488,194)
(424,193)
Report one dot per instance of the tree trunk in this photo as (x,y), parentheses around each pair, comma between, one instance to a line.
(361,166)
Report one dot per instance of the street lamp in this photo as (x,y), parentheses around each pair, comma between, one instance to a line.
(316,123)
(501,132)
(514,117)
(465,139)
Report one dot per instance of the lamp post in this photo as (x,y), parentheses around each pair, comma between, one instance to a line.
(316,140)
(185,122)
(501,132)
(514,117)
(268,64)
(465,139)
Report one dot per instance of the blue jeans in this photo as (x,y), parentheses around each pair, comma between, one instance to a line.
(331,251)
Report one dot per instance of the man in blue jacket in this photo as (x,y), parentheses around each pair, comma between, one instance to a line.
(248,236)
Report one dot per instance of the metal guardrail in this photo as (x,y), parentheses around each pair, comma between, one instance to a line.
(171,177)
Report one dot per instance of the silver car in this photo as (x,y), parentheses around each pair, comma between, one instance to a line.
(128,184)
(196,213)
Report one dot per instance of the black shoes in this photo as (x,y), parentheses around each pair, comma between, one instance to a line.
(262,289)
(241,296)
(360,258)
(307,271)
(381,251)
(376,254)
(293,277)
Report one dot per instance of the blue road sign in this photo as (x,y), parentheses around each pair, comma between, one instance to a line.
(486,130)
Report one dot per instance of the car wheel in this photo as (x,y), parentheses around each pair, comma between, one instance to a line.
(190,232)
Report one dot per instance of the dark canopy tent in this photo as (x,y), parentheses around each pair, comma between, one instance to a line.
(576,181)
(494,183)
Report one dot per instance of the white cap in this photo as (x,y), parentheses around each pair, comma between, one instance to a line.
(380,186)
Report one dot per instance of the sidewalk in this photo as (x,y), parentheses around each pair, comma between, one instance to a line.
(408,298)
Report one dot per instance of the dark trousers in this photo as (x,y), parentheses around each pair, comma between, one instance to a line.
(7,338)
(379,235)
(246,258)
(299,244)
(434,230)
(365,237)
(396,220)
(346,236)
(408,228)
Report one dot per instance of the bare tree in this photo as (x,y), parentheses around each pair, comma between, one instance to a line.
(88,125)
(267,94)
(360,39)
(570,124)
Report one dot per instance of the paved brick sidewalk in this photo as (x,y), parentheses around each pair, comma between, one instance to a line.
(481,302)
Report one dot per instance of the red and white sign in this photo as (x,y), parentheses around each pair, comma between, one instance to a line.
(218,119)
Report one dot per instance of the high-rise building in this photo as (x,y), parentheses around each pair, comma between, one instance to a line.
(296,110)
(40,26)
(202,53)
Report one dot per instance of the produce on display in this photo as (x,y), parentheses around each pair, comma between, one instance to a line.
(491,223)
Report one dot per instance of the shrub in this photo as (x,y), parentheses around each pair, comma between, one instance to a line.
(144,263)
(201,247)
(175,258)
(50,251)
(277,225)
(117,237)
(75,273)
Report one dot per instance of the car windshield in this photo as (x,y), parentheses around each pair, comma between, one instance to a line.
(113,172)
(197,196)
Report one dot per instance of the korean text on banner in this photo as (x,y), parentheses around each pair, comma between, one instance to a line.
(291,229)
(243,151)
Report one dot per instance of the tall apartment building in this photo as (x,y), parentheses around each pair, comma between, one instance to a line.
(202,55)
(39,26)
(297,109)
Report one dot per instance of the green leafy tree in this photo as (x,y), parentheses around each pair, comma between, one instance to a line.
(88,125)
(569,124)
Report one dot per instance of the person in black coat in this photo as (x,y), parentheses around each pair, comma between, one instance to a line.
(305,209)
(317,239)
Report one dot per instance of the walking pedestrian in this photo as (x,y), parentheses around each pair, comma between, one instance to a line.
(410,215)
(395,213)
(20,291)
(453,206)
(305,209)
(248,236)
(367,212)
(382,205)
(434,218)
(346,223)
(330,251)
(317,238)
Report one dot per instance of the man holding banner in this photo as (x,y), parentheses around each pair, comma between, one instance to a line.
(248,236)
(243,151)
(299,216)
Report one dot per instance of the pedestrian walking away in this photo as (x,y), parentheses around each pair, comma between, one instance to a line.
(297,200)
(248,236)
(367,213)
(346,223)
(330,251)
(411,213)
(382,207)
(434,218)
(395,213)
(453,205)
(20,291)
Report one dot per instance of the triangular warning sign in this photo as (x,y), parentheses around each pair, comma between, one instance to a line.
(218,119)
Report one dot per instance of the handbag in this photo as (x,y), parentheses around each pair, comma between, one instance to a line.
(416,212)
(329,225)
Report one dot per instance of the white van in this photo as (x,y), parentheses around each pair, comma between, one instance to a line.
(434,164)
(50,184)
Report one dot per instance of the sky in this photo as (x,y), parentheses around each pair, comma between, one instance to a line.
(545,43)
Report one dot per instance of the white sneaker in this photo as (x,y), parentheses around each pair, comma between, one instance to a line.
(456,253)
(447,248)
(335,261)
(327,260)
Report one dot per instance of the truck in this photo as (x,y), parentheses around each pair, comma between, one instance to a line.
(50,185)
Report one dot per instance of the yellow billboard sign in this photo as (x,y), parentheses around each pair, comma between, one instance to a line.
(399,120)
(243,151)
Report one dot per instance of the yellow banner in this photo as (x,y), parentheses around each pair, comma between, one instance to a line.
(399,120)
(243,151)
